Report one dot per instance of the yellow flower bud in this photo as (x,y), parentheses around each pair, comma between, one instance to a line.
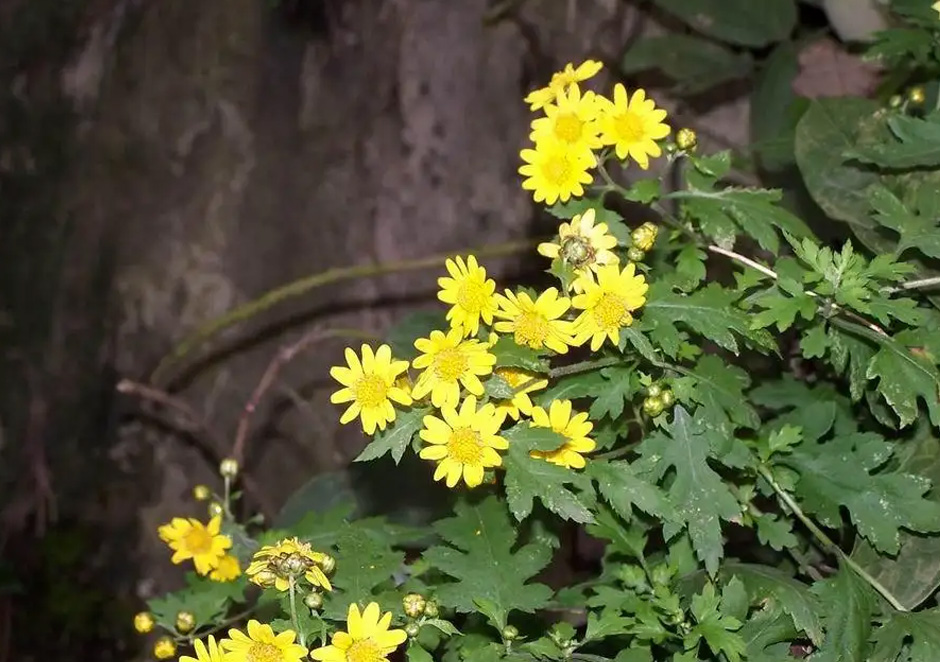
(143,622)
(185,621)
(916,96)
(686,140)
(895,101)
(413,604)
(644,236)
(201,493)
(164,648)
(327,564)
(229,467)
(215,509)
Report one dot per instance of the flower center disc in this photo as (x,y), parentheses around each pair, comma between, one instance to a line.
(531,329)
(465,446)
(557,170)
(577,252)
(198,540)
(371,390)
(629,126)
(451,363)
(260,652)
(471,296)
(568,127)
(609,312)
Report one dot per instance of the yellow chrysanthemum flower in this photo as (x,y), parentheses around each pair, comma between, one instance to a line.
(228,569)
(520,402)
(210,653)
(607,305)
(275,565)
(633,126)
(464,443)
(190,539)
(367,639)
(575,429)
(470,294)
(554,172)
(583,245)
(370,387)
(261,645)
(450,362)
(535,324)
(571,120)
(560,82)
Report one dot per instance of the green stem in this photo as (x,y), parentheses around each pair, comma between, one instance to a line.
(292,593)
(584,366)
(923,283)
(826,541)
(306,284)
(220,626)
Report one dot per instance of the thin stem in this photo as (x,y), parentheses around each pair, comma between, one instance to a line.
(923,283)
(292,593)
(826,541)
(308,283)
(221,626)
(284,356)
(737,257)
(583,366)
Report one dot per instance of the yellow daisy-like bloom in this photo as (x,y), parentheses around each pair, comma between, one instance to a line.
(262,645)
(190,539)
(583,245)
(607,305)
(464,443)
(227,570)
(520,402)
(470,294)
(572,120)
(210,653)
(560,82)
(535,324)
(367,639)
(450,362)
(633,126)
(555,172)
(275,565)
(575,429)
(369,385)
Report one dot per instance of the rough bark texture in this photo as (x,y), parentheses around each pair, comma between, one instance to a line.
(219,150)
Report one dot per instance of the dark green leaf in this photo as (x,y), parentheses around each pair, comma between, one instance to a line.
(694,64)
(699,495)
(395,438)
(848,604)
(608,623)
(480,555)
(623,383)
(624,489)
(917,144)
(716,628)
(529,478)
(710,312)
(775,108)
(401,337)
(916,231)
(509,354)
(921,631)
(914,574)
(905,375)
(741,22)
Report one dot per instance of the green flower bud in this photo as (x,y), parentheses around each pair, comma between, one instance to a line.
(653,407)
(313,601)
(510,632)
(431,610)
(185,621)
(412,629)
(413,605)
(229,468)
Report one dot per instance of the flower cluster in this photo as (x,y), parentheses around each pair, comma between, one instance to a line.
(368,639)
(287,562)
(463,432)
(576,124)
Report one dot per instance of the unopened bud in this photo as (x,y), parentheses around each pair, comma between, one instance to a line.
(143,622)
(215,509)
(413,605)
(185,621)
(313,601)
(164,648)
(412,629)
(229,468)
(327,564)
(686,140)
(431,610)
(201,493)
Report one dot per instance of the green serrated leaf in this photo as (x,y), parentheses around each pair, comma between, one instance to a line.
(608,623)
(699,495)
(914,574)
(529,478)
(714,626)
(480,555)
(624,489)
(776,532)
(904,374)
(917,145)
(921,631)
(916,231)
(533,438)
(847,603)
(446,627)
(510,355)
(845,473)
(710,312)
(364,561)
(622,385)
(395,438)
